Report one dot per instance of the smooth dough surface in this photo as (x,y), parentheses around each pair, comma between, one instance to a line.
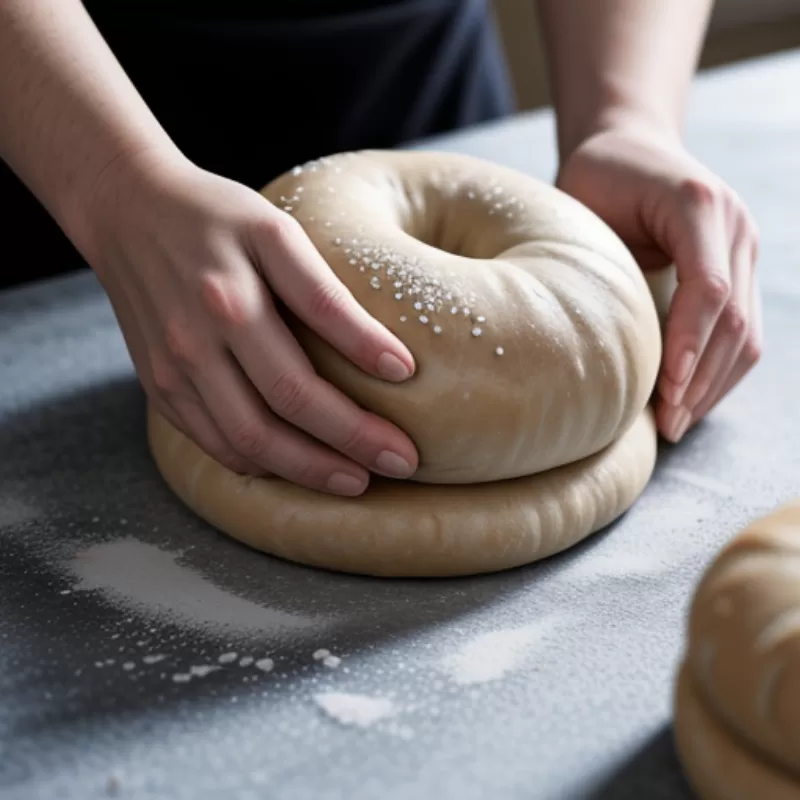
(537,345)
(403,529)
(743,659)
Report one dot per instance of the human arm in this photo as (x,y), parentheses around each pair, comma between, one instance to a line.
(190,262)
(620,73)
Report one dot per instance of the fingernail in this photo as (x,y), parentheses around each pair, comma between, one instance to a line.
(670,392)
(341,483)
(680,422)
(392,368)
(392,464)
(685,365)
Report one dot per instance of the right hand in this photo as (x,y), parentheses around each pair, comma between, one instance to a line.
(189,261)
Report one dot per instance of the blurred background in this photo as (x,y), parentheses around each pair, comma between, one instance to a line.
(739,29)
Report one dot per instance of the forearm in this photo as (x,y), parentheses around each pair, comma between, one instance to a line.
(67,109)
(620,59)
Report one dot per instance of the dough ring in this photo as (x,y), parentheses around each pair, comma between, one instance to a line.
(537,345)
(737,703)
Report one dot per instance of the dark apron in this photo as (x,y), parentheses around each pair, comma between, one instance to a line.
(248,96)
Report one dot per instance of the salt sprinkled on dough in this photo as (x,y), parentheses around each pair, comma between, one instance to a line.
(407,278)
(227,658)
(142,576)
(153,659)
(490,656)
(265,664)
(358,710)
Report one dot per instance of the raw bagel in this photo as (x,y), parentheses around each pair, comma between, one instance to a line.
(717,763)
(737,707)
(537,345)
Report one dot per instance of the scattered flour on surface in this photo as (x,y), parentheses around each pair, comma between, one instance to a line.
(201,670)
(699,481)
(357,710)
(14,510)
(490,656)
(670,542)
(144,577)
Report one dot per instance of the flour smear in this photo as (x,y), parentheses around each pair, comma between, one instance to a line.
(358,710)
(142,577)
(492,655)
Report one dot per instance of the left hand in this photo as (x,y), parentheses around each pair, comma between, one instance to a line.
(668,208)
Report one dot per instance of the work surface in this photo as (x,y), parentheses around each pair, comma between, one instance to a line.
(144,655)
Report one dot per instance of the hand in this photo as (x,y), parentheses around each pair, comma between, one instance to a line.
(668,208)
(190,261)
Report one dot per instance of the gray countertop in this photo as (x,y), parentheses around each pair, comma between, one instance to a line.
(120,612)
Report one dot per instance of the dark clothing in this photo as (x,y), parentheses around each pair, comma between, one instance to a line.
(250,93)
(262,9)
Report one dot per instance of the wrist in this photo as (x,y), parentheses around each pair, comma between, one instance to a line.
(123,176)
(613,117)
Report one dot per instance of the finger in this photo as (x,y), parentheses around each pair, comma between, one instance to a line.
(279,369)
(303,280)
(731,329)
(164,378)
(698,243)
(747,358)
(193,421)
(257,435)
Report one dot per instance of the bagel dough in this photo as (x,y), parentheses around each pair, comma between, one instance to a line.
(718,765)
(537,345)
(743,655)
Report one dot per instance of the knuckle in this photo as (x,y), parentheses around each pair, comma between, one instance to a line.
(306,473)
(328,301)
(166,379)
(751,352)
(289,395)
(250,440)
(220,299)
(354,440)
(697,192)
(182,344)
(715,288)
(734,319)
(282,228)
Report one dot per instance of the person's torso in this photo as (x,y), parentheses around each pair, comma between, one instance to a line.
(262,10)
